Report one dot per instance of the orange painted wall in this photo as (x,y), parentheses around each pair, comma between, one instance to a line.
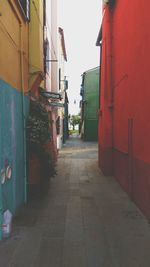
(14,45)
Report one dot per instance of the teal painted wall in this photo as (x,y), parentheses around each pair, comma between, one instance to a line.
(12,145)
(91,104)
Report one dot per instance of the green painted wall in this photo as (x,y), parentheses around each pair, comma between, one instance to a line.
(91,104)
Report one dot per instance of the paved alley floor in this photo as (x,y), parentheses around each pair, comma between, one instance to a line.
(85,220)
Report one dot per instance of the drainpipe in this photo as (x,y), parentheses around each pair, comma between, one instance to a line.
(23,115)
(100,75)
(1,212)
(111,99)
(112,3)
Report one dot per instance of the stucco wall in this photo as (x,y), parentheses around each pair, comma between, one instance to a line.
(125,108)
(14,44)
(12,145)
(91,106)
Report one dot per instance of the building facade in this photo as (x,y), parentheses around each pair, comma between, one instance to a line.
(14,69)
(29,65)
(36,45)
(124,147)
(63,86)
(90,104)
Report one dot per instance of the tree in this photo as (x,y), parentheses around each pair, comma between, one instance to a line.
(74,120)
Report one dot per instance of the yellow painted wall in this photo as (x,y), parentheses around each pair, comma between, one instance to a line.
(54,46)
(13,44)
(35,40)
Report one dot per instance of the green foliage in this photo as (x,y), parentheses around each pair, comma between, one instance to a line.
(38,130)
(38,135)
(75,120)
(72,132)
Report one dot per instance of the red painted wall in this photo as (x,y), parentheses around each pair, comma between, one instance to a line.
(106,99)
(124,127)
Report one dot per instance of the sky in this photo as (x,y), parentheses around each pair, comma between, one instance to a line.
(80,20)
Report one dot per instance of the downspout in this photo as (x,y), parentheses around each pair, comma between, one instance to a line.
(100,75)
(23,115)
(99,109)
(1,202)
(1,212)
(111,104)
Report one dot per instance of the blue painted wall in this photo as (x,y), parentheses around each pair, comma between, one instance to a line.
(12,145)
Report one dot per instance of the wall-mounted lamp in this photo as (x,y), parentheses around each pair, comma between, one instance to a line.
(110,2)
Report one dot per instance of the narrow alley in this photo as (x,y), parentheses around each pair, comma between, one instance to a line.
(85,220)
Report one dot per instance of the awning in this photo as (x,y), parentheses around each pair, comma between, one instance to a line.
(56,104)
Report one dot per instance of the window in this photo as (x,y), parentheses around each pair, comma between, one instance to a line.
(65,84)
(59,79)
(25,6)
(46,56)
(58,125)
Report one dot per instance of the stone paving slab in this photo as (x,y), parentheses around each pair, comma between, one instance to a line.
(74,254)
(84,220)
(50,252)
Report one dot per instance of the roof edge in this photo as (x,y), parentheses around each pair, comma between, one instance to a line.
(63,42)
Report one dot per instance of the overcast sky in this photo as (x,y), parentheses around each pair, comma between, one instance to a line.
(80,20)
